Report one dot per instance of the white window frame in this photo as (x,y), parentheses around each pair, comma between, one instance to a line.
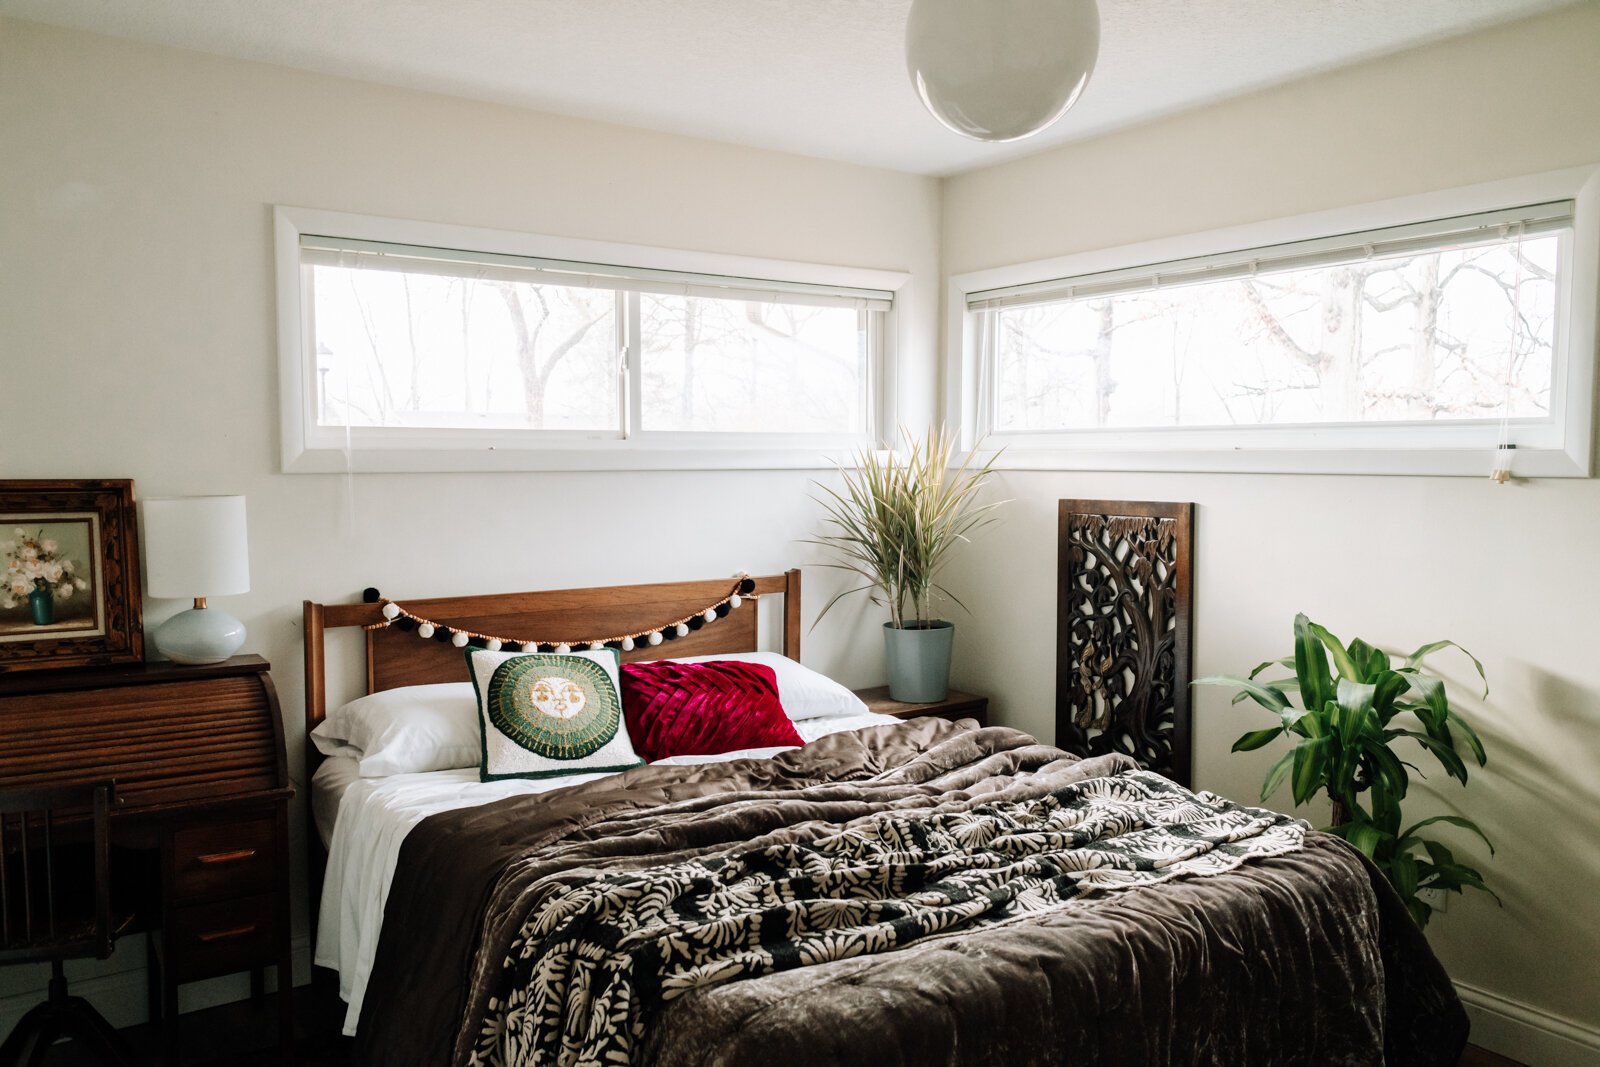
(307,447)
(1559,447)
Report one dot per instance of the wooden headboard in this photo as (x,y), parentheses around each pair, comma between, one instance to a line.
(396,658)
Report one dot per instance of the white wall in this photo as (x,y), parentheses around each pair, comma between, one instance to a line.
(1511,572)
(137,324)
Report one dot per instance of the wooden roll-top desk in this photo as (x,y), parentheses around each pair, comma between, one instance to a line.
(200,826)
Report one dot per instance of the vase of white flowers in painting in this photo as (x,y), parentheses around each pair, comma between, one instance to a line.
(895,522)
(37,571)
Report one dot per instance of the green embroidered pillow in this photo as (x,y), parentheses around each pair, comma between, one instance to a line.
(545,714)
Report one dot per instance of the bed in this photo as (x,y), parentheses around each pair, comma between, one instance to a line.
(919,892)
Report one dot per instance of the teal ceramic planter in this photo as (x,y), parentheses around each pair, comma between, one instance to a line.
(919,660)
(43,602)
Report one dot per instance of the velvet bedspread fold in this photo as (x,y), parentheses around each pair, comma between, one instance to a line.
(1304,958)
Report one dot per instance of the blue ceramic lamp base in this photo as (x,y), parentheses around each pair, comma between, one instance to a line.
(199,635)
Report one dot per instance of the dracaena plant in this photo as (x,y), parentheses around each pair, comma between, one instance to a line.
(898,516)
(1357,707)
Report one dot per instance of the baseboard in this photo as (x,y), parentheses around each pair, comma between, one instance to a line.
(1528,1034)
(116,987)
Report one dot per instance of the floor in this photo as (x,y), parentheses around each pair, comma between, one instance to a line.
(245,1035)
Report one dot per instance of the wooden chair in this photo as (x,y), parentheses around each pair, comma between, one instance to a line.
(55,904)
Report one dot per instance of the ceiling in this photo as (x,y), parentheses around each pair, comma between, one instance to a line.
(818,77)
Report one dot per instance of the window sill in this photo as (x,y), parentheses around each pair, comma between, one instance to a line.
(1464,463)
(481,460)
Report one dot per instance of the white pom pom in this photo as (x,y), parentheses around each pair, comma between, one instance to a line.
(627,644)
(458,639)
(655,638)
(493,644)
(391,611)
(735,600)
(563,648)
(710,615)
(596,646)
(425,630)
(682,629)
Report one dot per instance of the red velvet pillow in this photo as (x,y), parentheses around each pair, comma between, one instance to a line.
(702,709)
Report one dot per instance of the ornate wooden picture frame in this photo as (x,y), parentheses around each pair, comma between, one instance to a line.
(1123,608)
(69,574)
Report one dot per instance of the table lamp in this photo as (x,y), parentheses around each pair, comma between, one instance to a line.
(197,547)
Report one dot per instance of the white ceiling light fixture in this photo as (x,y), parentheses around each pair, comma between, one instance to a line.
(1001,70)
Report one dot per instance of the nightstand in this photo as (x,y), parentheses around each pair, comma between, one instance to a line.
(955,705)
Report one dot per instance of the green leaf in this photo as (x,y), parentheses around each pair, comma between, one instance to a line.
(1386,764)
(1366,837)
(1287,661)
(1311,665)
(1386,687)
(1342,660)
(1256,739)
(1443,752)
(1268,696)
(1403,873)
(1278,772)
(1310,762)
(1473,741)
(1453,820)
(1436,704)
(1416,658)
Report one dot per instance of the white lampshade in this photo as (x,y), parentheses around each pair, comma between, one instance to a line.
(196,547)
(1001,70)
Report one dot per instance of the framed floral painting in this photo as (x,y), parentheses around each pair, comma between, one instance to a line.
(69,574)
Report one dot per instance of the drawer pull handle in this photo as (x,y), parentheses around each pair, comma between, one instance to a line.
(229,934)
(225,857)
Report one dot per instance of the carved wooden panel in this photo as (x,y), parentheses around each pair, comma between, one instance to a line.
(1122,632)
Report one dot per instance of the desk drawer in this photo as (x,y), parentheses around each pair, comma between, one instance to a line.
(208,940)
(223,860)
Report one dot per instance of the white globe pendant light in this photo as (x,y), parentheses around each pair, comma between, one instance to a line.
(1001,70)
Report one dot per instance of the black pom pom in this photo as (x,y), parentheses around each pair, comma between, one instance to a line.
(544,648)
(697,622)
(748,585)
(405,624)
(669,634)
(441,634)
(511,646)
(369,595)
(477,642)
(722,611)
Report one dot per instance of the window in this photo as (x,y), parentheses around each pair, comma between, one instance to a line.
(412,355)
(1445,336)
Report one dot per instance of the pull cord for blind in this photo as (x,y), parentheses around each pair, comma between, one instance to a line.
(1503,469)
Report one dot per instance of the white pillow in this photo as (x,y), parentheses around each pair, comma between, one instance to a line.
(550,714)
(401,731)
(804,693)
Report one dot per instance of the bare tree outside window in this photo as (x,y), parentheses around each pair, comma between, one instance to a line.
(1449,334)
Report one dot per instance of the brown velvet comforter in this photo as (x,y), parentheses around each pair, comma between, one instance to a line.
(1301,957)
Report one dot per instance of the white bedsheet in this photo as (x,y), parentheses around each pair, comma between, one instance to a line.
(371,817)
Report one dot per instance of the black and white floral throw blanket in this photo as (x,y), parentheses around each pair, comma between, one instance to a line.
(600,949)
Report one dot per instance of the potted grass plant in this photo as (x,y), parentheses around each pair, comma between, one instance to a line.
(894,523)
(1357,706)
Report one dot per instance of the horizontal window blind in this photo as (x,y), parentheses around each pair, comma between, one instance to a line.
(418,259)
(1483,228)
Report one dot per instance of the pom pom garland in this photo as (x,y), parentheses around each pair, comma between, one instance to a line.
(393,614)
